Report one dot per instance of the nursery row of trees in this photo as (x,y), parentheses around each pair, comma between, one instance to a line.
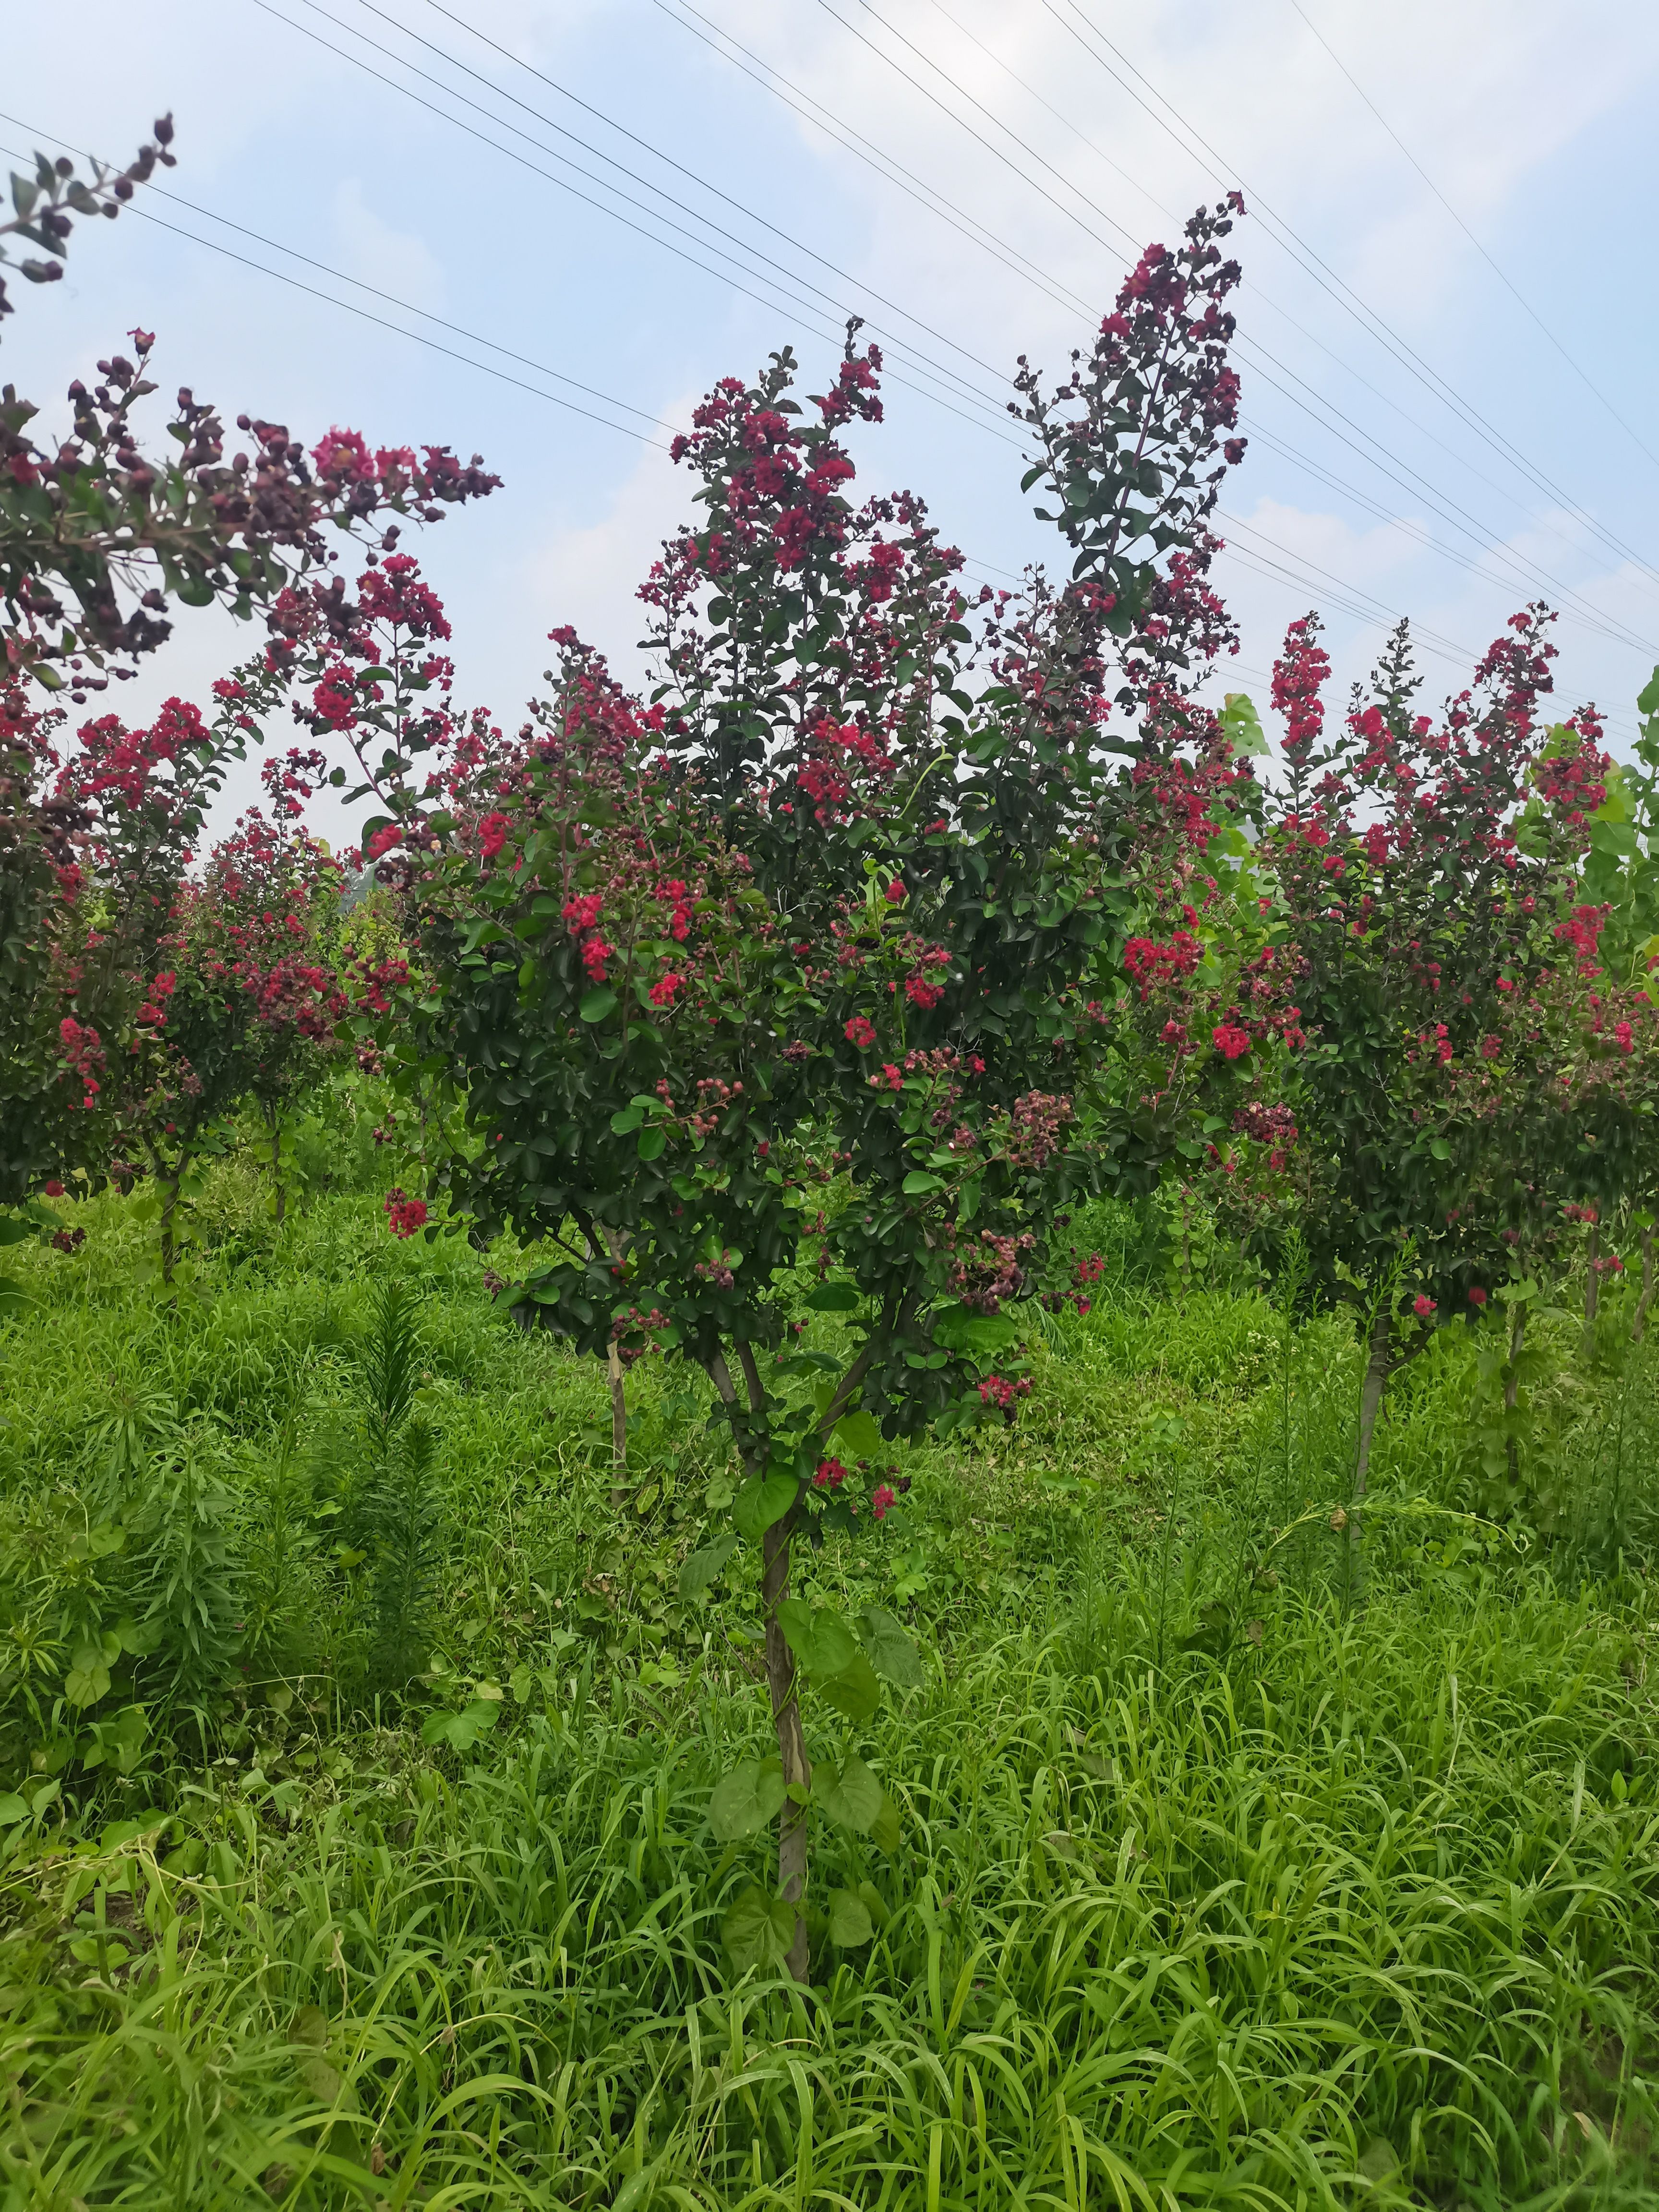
(892,923)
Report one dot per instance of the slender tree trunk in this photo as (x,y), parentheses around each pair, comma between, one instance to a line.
(273,1122)
(1592,1289)
(1378,1364)
(792,1747)
(1512,1388)
(1643,1302)
(618,1428)
(169,1206)
(616,1245)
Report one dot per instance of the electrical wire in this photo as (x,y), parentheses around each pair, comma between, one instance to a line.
(1329,279)
(1498,271)
(1565,593)
(794,303)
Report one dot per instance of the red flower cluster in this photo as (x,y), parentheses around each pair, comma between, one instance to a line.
(404,1214)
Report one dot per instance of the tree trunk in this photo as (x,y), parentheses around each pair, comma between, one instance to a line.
(618,1429)
(1512,1388)
(792,1747)
(273,1122)
(1641,1303)
(616,1245)
(1378,1364)
(169,1204)
(1592,1289)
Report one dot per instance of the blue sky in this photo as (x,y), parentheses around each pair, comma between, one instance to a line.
(970,178)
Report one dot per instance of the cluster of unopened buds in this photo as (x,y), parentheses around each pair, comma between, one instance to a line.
(634,1323)
(405,1215)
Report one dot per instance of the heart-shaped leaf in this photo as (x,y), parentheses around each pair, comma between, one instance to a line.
(850,1924)
(851,1799)
(763,1499)
(746,1799)
(853,1691)
(892,1653)
(758,1929)
(834,1298)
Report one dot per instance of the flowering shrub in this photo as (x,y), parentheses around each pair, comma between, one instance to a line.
(819,956)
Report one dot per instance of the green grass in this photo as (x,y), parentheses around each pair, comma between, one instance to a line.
(1211,1888)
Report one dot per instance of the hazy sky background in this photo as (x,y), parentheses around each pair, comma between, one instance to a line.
(641,196)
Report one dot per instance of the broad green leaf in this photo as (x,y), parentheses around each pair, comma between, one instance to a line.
(854,1690)
(746,1799)
(461,1730)
(702,1567)
(891,1653)
(851,1799)
(88,1678)
(623,1123)
(758,1929)
(850,1924)
(818,1637)
(12,1810)
(652,1142)
(918,1185)
(596,1005)
(14,1229)
(834,1298)
(857,1433)
(763,1499)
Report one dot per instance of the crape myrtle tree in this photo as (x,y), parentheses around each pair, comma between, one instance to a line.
(817,954)
(98,542)
(1422,874)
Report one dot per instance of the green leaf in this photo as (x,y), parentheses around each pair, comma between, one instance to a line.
(854,1690)
(1440,1148)
(891,1653)
(857,1433)
(702,1567)
(851,1799)
(596,1005)
(818,1637)
(14,1229)
(12,1810)
(763,1499)
(461,1730)
(88,1678)
(886,1835)
(834,1298)
(747,1799)
(850,1924)
(918,1185)
(652,1142)
(624,1123)
(1241,724)
(758,1929)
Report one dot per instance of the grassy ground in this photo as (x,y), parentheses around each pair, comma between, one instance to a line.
(1214,1886)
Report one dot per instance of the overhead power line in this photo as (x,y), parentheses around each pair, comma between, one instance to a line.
(1310,259)
(1502,274)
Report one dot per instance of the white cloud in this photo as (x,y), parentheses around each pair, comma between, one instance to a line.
(376,253)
